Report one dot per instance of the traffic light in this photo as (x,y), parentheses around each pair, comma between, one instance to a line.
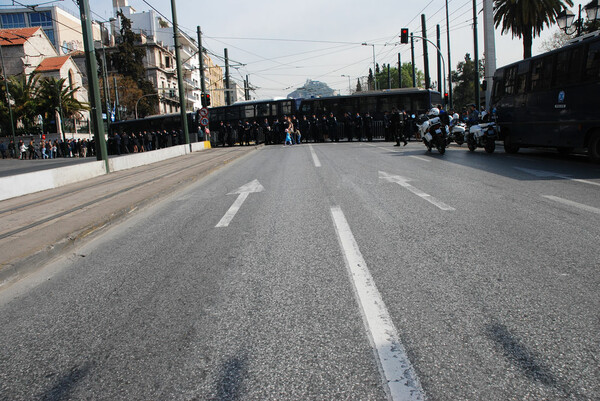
(205,99)
(404,35)
(446,98)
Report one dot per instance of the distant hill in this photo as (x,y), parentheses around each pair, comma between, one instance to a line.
(312,89)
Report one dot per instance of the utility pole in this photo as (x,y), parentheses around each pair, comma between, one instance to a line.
(439,58)
(182,105)
(489,49)
(412,60)
(94,87)
(449,60)
(425,54)
(117,105)
(399,71)
(247,88)
(201,62)
(476,45)
(105,76)
(389,78)
(227,92)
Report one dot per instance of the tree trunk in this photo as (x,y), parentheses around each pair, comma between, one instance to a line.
(527,43)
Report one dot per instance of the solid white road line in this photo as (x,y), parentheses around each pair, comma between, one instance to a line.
(399,377)
(574,204)
(314,156)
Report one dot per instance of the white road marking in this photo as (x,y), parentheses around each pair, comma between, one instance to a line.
(314,156)
(546,174)
(574,204)
(243,191)
(403,182)
(400,380)
(421,158)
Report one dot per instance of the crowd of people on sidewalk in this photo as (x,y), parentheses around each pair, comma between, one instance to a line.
(46,149)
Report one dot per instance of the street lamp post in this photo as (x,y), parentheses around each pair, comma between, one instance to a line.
(441,58)
(140,98)
(349,84)
(566,19)
(374,64)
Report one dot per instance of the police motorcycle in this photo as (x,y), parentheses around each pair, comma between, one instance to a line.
(433,132)
(456,130)
(482,135)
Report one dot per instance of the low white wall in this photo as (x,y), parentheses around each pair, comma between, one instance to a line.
(198,146)
(139,159)
(23,184)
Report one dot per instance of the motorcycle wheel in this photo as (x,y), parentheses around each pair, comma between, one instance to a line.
(471,144)
(490,146)
(459,142)
(441,148)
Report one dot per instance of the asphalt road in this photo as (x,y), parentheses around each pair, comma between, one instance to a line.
(249,285)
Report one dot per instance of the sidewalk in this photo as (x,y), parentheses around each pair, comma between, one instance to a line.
(36,228)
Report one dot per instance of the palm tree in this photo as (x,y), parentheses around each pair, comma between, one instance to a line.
(24,91)
(526,18)
(54,94)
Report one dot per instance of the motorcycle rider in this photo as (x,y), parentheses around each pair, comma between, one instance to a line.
(473,116)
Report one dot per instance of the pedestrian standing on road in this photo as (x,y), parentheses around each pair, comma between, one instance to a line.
(289,132)
(23,150)
(368,123)
(332,128)
(3,150)
(12,149)
(305,127)
(358,126)
(266,129)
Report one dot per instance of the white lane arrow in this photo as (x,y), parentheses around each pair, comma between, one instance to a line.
(243,191)
(403,182)
(549,174)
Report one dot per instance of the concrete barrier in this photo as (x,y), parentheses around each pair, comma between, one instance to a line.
(141,159)
(23,184)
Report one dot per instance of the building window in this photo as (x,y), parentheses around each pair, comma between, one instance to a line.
(13,21)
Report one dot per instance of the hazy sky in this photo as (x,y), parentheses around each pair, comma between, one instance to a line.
(287,42)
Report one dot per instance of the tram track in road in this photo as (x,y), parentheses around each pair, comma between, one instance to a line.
(107,179)
(172,172)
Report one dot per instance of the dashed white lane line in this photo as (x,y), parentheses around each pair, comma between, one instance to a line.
(573,204)
(400,380)
(314,156)
(421,158)
(403,182)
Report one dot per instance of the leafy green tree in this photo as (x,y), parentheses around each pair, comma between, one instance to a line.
(128,59)
(24,91)
(370,81)
(525,19)
(4,114)
(54,94)
(462,80)
(358,86)
(382,77)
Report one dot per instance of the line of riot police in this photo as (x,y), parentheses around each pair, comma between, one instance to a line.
(396,126)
